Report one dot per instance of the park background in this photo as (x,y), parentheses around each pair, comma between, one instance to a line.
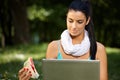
(27,26)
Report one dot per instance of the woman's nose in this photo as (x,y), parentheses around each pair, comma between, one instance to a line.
(74,25)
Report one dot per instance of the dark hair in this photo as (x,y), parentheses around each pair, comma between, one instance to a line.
(85,7)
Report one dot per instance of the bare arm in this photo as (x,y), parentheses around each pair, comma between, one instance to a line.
(102,56)
(52,50)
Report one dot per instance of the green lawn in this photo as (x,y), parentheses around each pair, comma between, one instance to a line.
(12,59)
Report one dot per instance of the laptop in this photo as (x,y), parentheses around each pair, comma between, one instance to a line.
(70,69)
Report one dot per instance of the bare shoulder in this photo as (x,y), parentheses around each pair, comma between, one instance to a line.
(53,43)
(52,49)
(101,50)
(100,46)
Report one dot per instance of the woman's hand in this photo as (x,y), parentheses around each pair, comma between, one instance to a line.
(24,74)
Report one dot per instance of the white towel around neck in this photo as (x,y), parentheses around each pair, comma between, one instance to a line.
(77,49)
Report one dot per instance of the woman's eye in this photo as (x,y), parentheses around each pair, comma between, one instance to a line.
(70,21)
(80,22)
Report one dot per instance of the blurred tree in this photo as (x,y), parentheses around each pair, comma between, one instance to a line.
(20,21)
(6,24)
(44,20)
(14,22)
(107,21)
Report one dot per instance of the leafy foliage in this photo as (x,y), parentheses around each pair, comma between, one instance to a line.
(47,19)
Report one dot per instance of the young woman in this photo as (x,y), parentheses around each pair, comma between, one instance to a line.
(78,40)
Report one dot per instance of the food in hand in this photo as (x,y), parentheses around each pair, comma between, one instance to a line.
(30,65)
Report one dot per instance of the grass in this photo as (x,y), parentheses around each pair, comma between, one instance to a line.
(12,59)
(113,63)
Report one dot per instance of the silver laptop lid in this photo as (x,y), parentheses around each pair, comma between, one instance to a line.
(70,69)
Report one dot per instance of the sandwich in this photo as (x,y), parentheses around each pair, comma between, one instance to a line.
(30,65)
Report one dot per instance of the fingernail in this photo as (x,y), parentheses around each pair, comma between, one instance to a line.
(29,71)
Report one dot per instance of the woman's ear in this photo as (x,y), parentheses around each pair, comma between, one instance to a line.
(88,20)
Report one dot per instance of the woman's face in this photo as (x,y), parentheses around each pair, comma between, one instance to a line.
(76,22)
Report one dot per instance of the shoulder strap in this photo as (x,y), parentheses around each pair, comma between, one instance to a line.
(59,46)
(59,56)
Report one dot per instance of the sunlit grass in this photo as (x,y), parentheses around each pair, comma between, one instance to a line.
(112,50)
(22,52)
